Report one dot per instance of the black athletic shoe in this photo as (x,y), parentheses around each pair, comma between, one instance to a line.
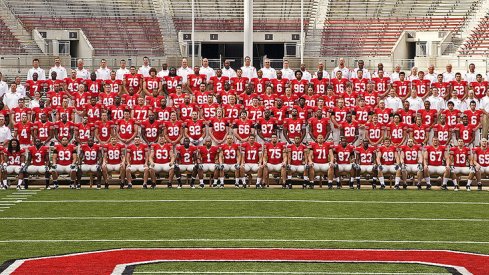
(428,187)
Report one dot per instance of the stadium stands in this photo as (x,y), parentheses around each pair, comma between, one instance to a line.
(477,43)
(9,45)
(113,28)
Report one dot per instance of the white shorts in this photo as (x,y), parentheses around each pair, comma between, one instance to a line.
(484,170)
(274,167)
(136,168)
(11,169)
(162,167)
(344,167)
(229,167)
(89,168)
(113,167)
(63,169)
(389,169)
(31,169)
(366,168)
(186,167)
(251,167)
(461,170)
(437,170)
(297,168)
(208,167)
(321,167)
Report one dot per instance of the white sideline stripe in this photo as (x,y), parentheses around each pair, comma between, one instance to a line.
(247,240)
(278,272)
(14,198)
(7,204)
(270,201)
(244,218)
(5,207)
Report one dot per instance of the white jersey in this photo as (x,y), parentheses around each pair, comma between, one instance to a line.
(431,77)
(288,73)
(184,72)
(208,71)
(470,77)
(447,77)
(60,72)
(249,72)
(83,73)
(228,72)
(103,73)
(41,74)
(144,70)
(269,73)
(119,75)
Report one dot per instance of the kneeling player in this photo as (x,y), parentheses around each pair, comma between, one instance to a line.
(433,158)
(91,160)
(161,160)
(411,162)
(388,162)
(210,160)
(459,160)
(231,158)
(297,162)
(365,158)
(320,159)
(137,161)
(14,163)
(345,163)
(274,160)
(64,161)
(480,162)
(186,162)
(251,160)
(114,161)
(38,161)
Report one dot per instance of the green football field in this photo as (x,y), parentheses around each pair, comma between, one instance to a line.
(52,222)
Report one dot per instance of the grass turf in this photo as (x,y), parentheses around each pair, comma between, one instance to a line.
(234,220)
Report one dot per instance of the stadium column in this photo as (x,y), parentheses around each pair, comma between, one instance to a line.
(248,29)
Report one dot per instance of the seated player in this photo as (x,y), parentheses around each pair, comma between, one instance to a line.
(14,163)
(137,161)
(345,162)
(433,158)
(297,163)
(365,157)
(64,161)
(388,162)
(274,160)
(459,163)
(231,159)
(186,162)
(91,159)
(161,160)
(210,155)
(319,161)
(480,164)
(251,160)
(114,160)
(411,162)
(38,161)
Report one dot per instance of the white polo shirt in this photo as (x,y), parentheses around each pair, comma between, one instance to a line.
(415,103)
(345,72)
(184,72)
(163,73)
(269,73)
(103,73)
(325,74)
(249,72)
(208,71)
(11,100)
(395,103)
(5,134)
(41,74)
(288,73)
(436,103)
(119,74)
(60,72)
(306,75)
(470,77)
(484,104)
(366,73)
(83,73)
(3,87)
(447,77)
(144,70)
(228,72)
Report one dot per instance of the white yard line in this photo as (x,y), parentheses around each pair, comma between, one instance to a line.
(267,201)
(247,240)
(247,218)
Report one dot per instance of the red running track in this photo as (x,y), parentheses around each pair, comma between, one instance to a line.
(115,261)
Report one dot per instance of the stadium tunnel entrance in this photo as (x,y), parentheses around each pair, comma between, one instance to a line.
(234,51)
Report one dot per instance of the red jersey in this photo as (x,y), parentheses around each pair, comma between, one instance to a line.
(320,152)
(84,131)
(225,95)
(422,87)
(93,87)
(186,110)
(275,152)
(134,81)
(260,84)
(104,130)
(209,154)
(199,97)
(420,133)
(319,126)
(279,85)
(117,112)
(411,154)
(479,88)
(481,156)
(127,128)
(64,129)
(194,81)
(474,116)
(196,129)
(267,127)
(407,117)
(294,127)
(374,131)
(381,84)
(114,153)
(137,153)
(297,154)
(38,156)
(289,101)
(442,88)
(152,83)
(279,114)
(239,83)
(268,100)
(161,153)
(398,132)
(387,155)
(443,133)
(56,98)
(218,83)
(177,99)
(339,85)
(232,111)
(81,100)
(251,153)
(72,84)
(451,116)
(371,99)
(34,86)
(460,156)
(299,86)
(163,114)
(218,128)
(402,88)
(17,112)
(243,127)
(43,130)
(230,153)
(349,130)
(173,129)
(90,154)
(64,154)
(459,87)
(466,132)
(343,154)
(383,115)
(254,113)
(68,111)
(435,155)
(130,100)
(350,99)
(366,156)
(361,114)
(428,116)
(150,131)
(24,132)
(339,114)
(114,85)
(141,113)
(93,112)
(186,155)
(359,85)
(311,100)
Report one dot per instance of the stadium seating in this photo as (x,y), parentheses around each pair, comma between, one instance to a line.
(10,44)
(477,43)
(115,28)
